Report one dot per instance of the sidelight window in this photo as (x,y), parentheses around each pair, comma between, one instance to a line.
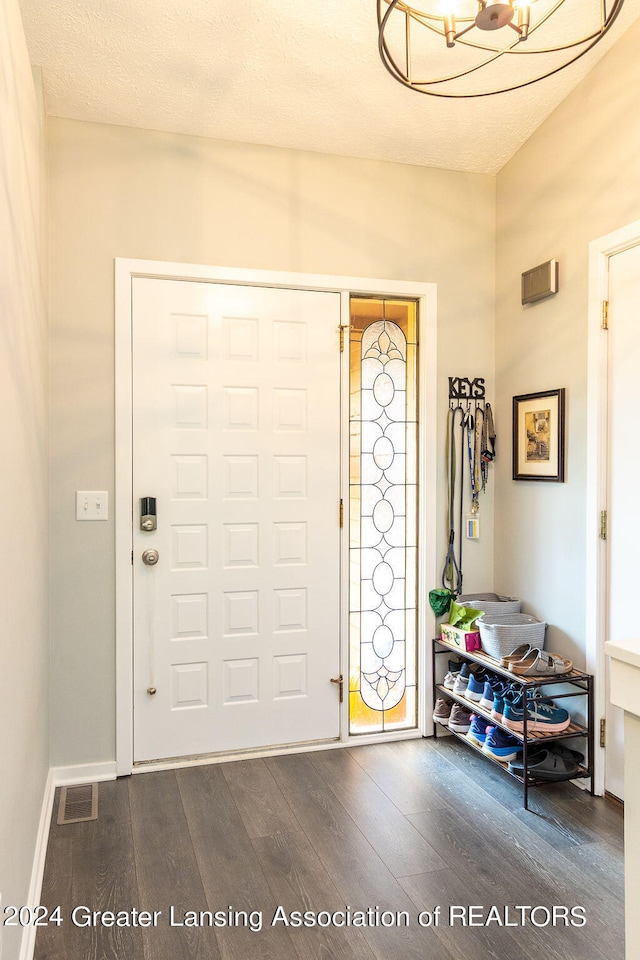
(383,515)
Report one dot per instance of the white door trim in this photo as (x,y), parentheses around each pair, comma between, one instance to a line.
(600,251)
(125,271)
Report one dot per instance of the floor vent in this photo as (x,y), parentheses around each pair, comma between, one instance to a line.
(78,804)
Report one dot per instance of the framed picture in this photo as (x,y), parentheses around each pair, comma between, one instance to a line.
(538,436)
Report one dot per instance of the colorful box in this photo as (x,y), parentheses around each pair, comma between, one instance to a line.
(468,640)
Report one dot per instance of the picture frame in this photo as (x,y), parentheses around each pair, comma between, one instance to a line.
(539,436)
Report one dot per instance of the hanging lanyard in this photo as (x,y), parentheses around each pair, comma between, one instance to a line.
(451,572)
(473,451)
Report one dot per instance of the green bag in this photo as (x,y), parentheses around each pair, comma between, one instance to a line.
(463,617)
(440,601)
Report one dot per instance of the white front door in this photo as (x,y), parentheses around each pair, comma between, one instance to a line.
(236,433)
(623,469)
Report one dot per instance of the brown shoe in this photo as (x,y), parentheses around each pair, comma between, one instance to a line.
(442,711)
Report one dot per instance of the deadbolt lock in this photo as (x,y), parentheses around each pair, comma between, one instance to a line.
(148,514)
(150,557)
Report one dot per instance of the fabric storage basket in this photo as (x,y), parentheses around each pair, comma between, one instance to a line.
(500,635)
(490,603)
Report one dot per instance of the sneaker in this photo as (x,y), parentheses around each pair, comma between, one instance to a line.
(454,668)
(501,746)
(492,687)
(500,697)
(477,732)
(460,719)
(462,680)
(449,681)
(475,687)
(442,710)
(542,715)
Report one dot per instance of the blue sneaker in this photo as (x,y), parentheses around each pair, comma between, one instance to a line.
(477,732)
(475,687)
(542,715)
(500,697)
(492,687)
(463,679)
(501,746)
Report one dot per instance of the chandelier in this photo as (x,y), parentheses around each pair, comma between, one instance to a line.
(477,48)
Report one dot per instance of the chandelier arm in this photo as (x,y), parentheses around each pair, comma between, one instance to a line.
(462,32)
(483,46)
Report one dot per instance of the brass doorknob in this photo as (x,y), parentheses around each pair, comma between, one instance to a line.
(150,557)
(151,691)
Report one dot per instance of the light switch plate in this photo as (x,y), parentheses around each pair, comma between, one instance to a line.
(92,505)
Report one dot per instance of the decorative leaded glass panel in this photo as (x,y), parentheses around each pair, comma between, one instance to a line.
(383,515)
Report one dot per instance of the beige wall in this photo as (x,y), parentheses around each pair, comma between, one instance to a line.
(24,559)
(119,192)
(575,180)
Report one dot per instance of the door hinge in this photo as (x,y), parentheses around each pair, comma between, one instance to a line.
(132,558)
(340,681)
(342,328)
(603,732)
(341,512)
(605,314)
(603,524)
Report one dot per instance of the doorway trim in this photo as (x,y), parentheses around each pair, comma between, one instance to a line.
(600,251)
(126,270)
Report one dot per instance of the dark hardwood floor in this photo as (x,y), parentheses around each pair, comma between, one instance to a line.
(395,832)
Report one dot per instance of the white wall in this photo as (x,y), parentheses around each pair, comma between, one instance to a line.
(24,554)
(576,179)
(131,193)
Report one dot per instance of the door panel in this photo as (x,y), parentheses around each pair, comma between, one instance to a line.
(236,432)
(623,467)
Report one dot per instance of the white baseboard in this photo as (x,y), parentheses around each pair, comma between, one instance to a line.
(37,871)
(84,773)
(58,776)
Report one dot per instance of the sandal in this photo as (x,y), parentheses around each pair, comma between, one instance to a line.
(518,654)
(547,765)
(537,663)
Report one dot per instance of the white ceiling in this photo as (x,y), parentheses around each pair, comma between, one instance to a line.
(291,73)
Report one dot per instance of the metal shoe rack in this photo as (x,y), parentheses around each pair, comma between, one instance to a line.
(573,684)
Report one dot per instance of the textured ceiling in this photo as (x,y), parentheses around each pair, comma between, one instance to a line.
(292,73)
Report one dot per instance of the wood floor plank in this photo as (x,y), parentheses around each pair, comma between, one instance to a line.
(103,879)
(52,941)
(167,870)
(522,941)
(299,882)
(410,792)
(294,773)
(231,874)
(448,889)
(600,819)
(362,877)
(394,838)
(258,797)
(603,863)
